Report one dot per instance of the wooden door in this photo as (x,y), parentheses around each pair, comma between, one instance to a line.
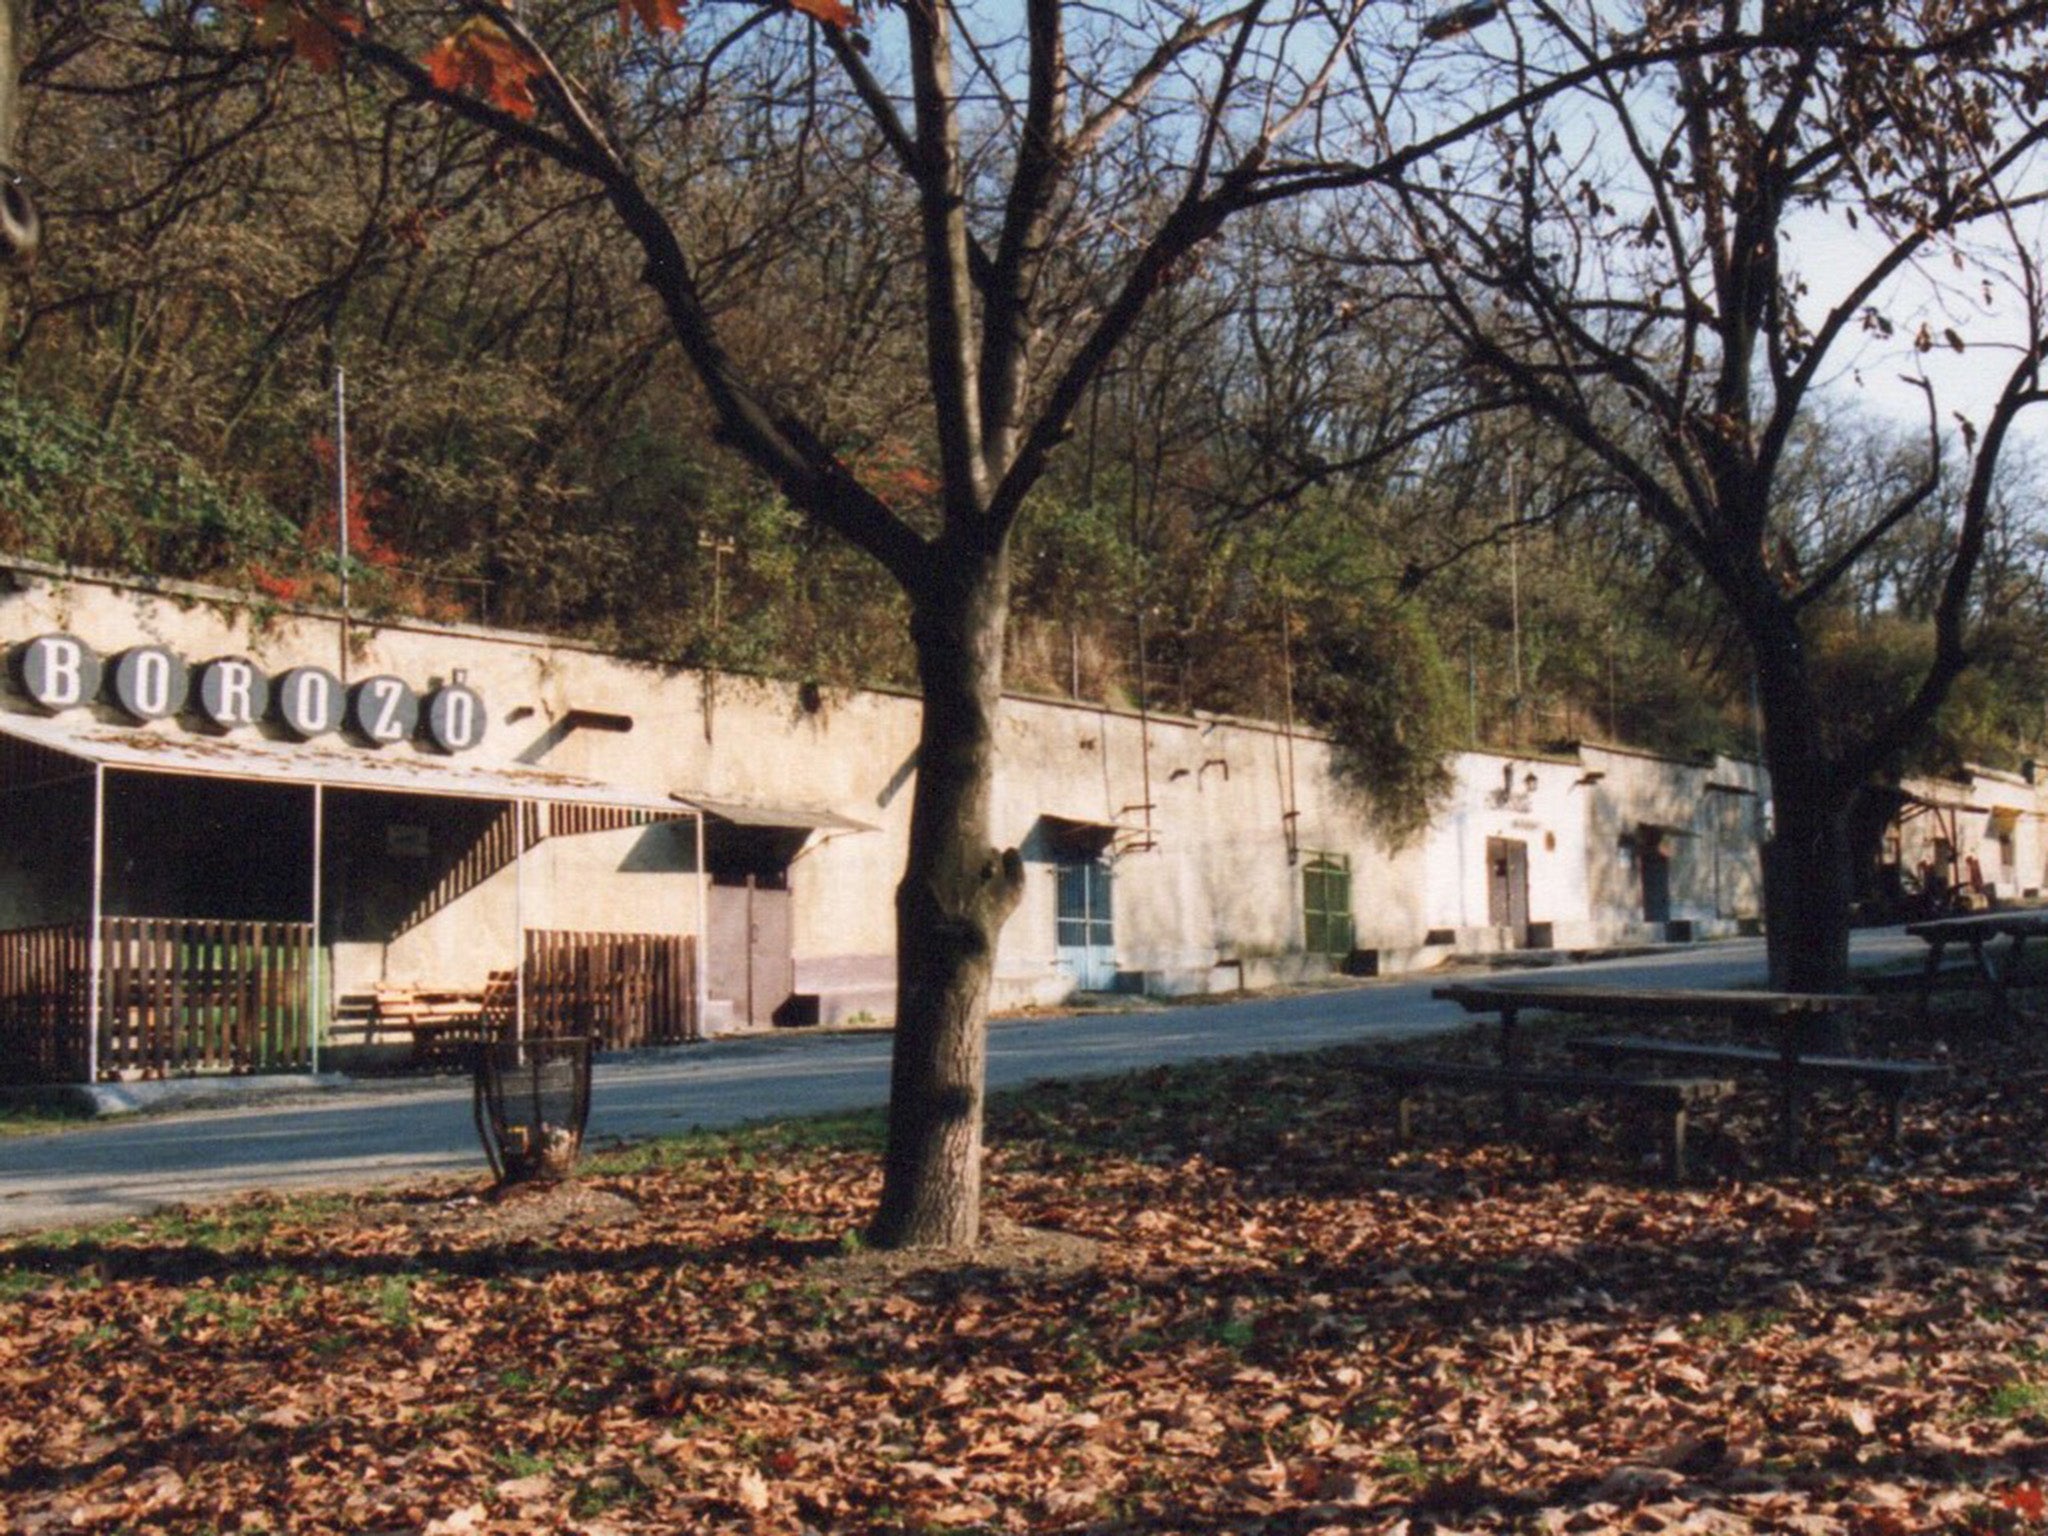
(750,961)
(1507,887)
(1655,862)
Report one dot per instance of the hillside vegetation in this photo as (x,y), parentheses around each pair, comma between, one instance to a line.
(1248,519)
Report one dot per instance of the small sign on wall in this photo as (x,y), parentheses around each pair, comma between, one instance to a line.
(406,840)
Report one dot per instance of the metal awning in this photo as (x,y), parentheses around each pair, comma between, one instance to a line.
(134,748)
(794,818)
(1075,838)
(2000,820)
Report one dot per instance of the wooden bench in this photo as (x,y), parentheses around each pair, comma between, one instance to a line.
(442,1022)
(1783,1014)
(1672,1097)
(1891,1079)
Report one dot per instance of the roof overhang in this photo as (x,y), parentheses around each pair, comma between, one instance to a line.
(788,818)
(141,750)
(1072,838)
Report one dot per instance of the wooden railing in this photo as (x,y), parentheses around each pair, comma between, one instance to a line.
(43,1003)
(626,989)
(183,995)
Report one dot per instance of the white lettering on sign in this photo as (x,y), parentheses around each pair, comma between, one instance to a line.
(60,672)
(383,709)
(309,701)
(455,718)
(57,671)
(232,692)
(149,682)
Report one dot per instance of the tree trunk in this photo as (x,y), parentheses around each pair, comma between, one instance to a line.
(957,891)
(1808,881)
(20,228)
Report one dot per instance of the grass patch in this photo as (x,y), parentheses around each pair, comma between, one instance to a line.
(37,1115)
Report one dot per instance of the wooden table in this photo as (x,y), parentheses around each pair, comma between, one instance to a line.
(1778,1013)
(1977,931)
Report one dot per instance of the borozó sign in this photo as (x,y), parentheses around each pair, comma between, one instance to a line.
(148,682)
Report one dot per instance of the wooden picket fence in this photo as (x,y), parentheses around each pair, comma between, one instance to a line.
(188,995)
(624,989)
(178,996)
(42,1004)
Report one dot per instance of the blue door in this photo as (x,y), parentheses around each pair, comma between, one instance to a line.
(1087,942)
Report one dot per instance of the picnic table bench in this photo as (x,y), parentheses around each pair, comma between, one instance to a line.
(1672,1097)
(1779,1013)
(1893,1080)
(1977,932)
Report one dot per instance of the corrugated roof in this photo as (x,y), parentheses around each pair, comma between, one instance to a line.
(237,757)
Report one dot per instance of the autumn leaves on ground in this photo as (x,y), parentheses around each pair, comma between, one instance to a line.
(1257,1314)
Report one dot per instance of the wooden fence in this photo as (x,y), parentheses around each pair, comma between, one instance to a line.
(42,1004)
(184,996)
(178,996)
(181,995)
(626,989)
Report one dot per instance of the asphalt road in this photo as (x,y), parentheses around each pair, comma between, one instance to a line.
(360,1135)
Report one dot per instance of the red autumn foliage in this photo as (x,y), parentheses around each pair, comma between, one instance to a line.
(307,29)
(657,16)
(480,58)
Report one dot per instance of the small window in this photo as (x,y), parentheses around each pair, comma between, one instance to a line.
(1326,903)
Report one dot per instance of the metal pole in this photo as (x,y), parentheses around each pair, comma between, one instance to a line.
(341,479)
(703,933)
(313,983)
(1290,819)
(95,945)
(1515,595)
(519,919)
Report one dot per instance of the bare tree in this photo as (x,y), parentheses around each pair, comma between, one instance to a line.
(1624,260)
(1055,167)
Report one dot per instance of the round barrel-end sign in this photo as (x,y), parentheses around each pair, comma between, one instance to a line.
(383,710)
(149,682)
(232,692)
(455,717)
(58,672)
(309,701)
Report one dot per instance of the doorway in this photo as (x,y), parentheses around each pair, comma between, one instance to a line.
(1507,887)
(750,958)
(1653,859)
(1086,936)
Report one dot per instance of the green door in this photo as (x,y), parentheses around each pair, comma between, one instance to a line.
(1326,904)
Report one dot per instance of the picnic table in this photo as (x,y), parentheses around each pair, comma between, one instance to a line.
(1977,932)
(1775,1015)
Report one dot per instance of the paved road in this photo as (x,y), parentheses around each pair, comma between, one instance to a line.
(363,1135)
